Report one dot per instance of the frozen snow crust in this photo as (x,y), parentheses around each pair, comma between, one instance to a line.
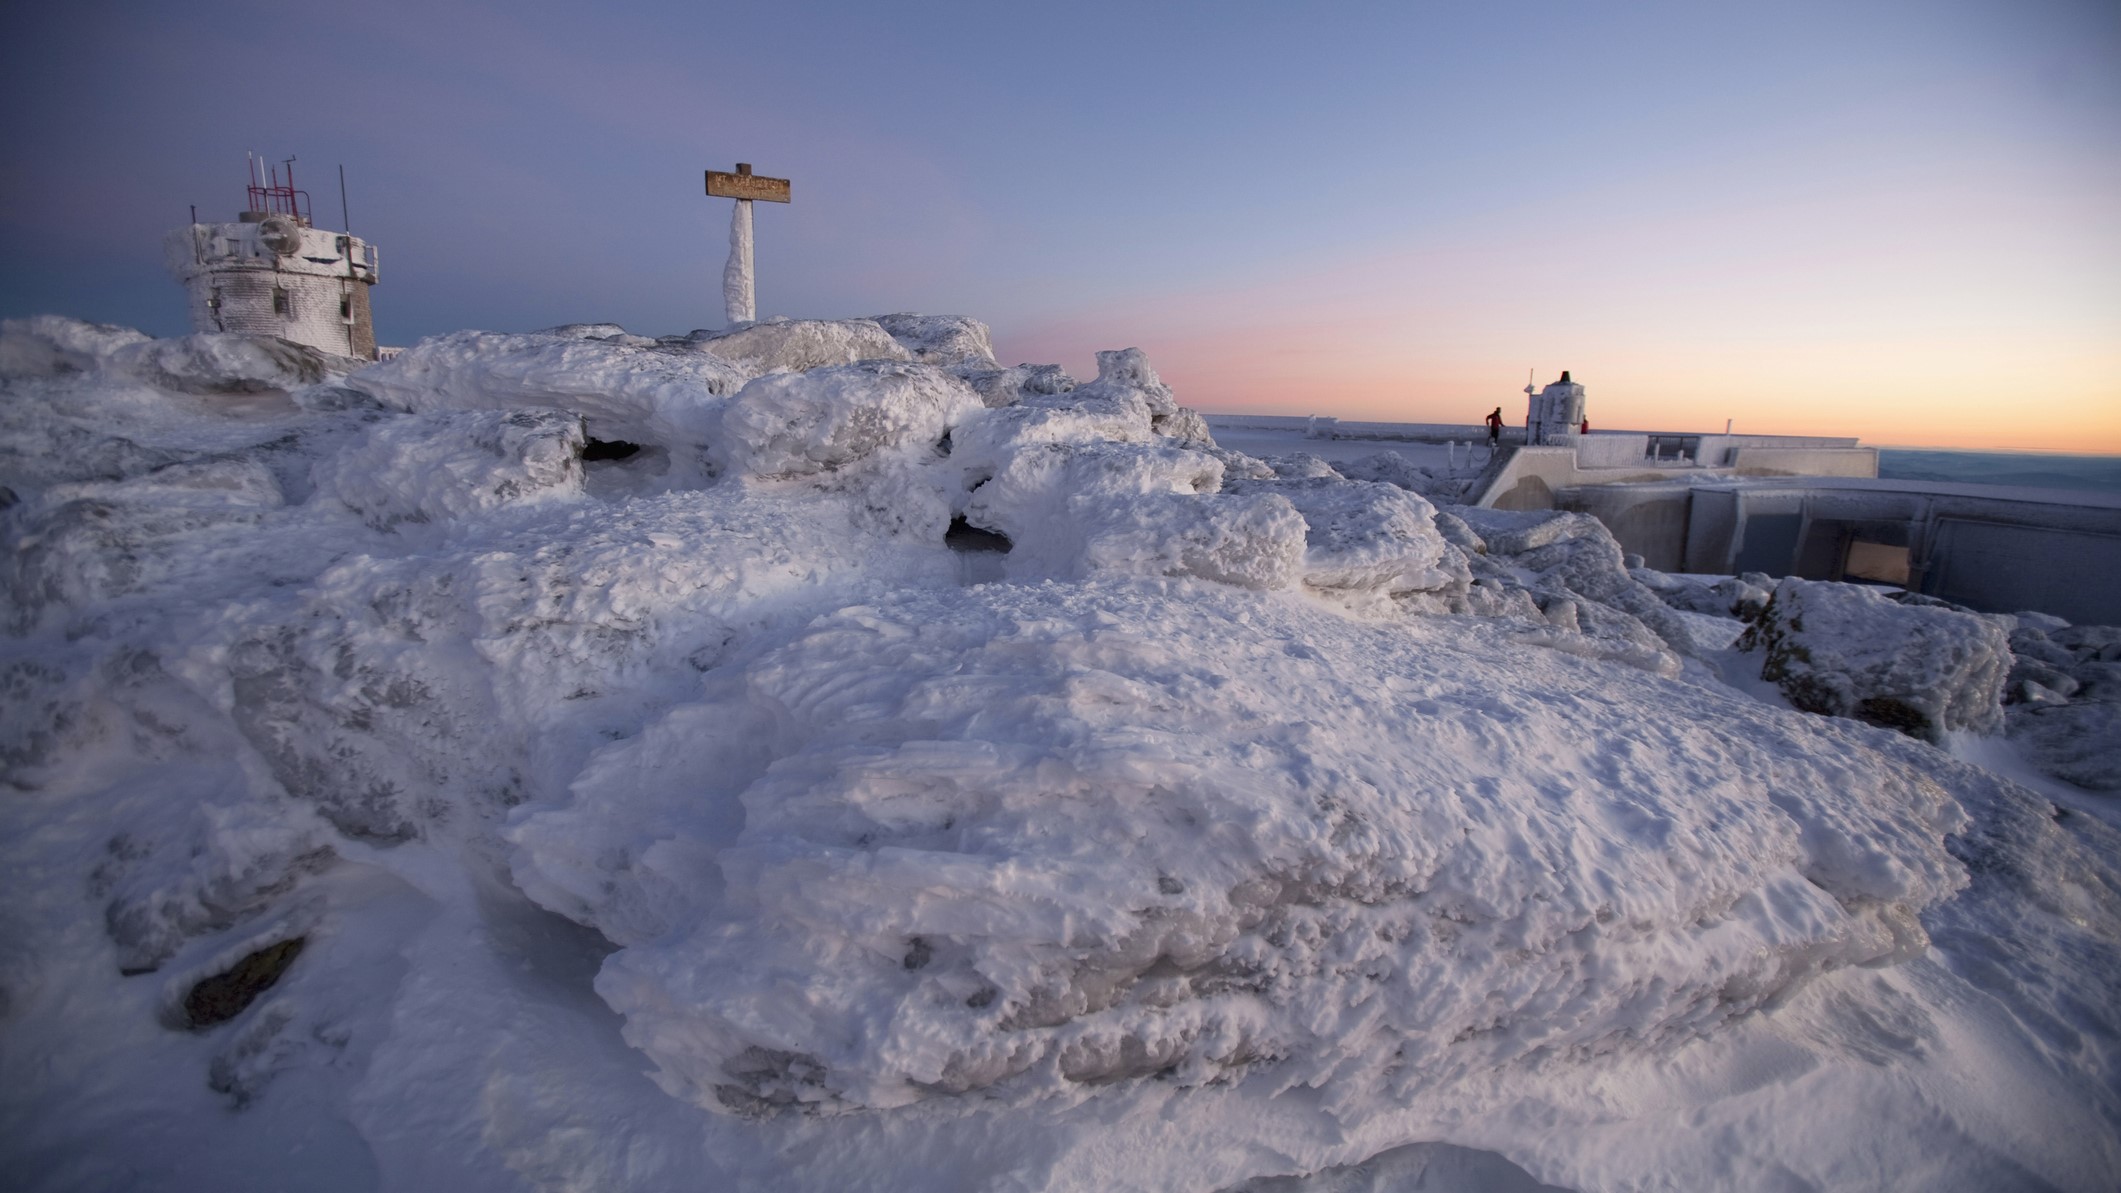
(1035,836)
(1845,650)
(1195,818)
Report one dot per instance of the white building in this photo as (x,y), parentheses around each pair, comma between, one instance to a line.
(272,273)
(1555,414)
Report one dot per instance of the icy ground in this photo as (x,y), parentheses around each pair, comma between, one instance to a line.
(821,757)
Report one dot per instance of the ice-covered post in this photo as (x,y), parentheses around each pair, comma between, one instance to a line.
(739,296)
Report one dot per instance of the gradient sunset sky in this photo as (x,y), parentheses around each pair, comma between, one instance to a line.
(1894,220)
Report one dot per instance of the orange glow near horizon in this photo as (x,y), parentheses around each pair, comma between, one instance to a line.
(1894,346)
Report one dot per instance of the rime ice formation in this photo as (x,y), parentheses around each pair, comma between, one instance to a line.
(445,467)
(948,340)
(936,774)
(1848,651)
(1006,839)
(2064,701)
(784,345)
(738,296)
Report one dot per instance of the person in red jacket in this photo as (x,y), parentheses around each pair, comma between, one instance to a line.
(1494,421)
(1585,429)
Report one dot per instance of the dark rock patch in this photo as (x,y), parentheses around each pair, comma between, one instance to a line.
(964,536)
(225,995)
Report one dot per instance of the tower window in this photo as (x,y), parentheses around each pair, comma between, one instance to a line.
(346,306)
(213,301)
(279,300)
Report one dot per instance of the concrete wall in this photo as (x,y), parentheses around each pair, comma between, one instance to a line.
(2071,573)
(1803,461)
(1529,479)
(1994,549)
(1602,450)
(1648,520)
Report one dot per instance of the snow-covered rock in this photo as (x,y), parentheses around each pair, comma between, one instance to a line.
(1742,597)
(438,467)
(610,333)
(1578,579)
(1372,546)
(1126,374)
(1846,651)
(793,345)
(1077,508)
(1022,840)
(636,395)
(2077,741)
(50,345)
(1395,469)
(80,545)
(2064,700)
(204,363)
(1006,387)
(788,425)
(949,340)
(216,363)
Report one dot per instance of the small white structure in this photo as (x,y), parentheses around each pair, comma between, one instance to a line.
(1555,415)
(272,273)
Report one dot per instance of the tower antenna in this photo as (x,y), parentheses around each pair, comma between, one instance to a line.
(345,220)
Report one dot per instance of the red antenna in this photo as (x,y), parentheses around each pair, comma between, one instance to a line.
(278,198)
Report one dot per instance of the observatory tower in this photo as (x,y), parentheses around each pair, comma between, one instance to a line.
(273,273)
(1555,413)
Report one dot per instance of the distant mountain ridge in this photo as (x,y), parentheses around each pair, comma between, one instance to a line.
(2038,470)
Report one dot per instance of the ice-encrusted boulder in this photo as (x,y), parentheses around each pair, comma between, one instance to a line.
(1742,597)
(223,865)
(222,363)
(1027,839)
(610,333)
(50,345)
(80,545)
(1007,387)
(1251,541)
(794,345)
(2063,700)
(1299,466)
(789,425)
(1372,547)
(204,363)
(1126,373)
(403,695)
(1073,509)
(439,467)
(1845,650)
(1579,583)
(636,395)
(949,340)
(2077,741)
(1395,469)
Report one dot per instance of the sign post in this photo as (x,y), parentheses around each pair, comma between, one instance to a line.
(739,297)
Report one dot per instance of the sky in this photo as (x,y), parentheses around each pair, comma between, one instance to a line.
(1899,221)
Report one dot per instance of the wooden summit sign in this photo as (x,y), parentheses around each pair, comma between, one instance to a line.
(739,299)
(745,185)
